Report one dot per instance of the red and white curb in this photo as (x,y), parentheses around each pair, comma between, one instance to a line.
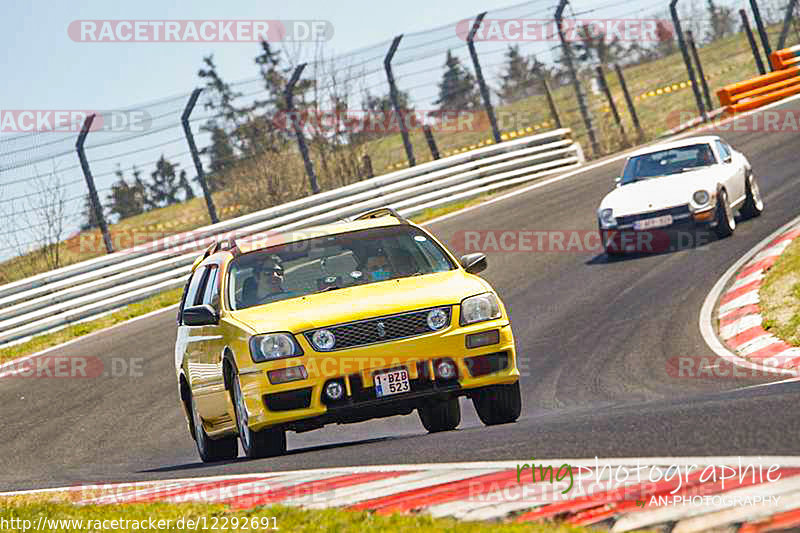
(688,494)
(739,315)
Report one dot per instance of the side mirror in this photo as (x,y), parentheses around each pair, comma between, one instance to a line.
(474,263)
(727,159)
(200,315)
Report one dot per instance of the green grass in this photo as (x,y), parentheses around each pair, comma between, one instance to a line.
(780,296)
(287,519)
(47,340)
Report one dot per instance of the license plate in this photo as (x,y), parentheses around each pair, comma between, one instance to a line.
(392,382)
(655,222)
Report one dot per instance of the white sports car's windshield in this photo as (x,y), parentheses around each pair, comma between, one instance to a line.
(332,262)
(666,162)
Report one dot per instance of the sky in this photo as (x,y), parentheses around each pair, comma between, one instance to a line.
(45,69)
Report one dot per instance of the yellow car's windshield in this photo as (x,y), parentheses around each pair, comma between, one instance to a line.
(332,262)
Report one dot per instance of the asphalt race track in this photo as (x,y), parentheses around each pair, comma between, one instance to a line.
(595,339)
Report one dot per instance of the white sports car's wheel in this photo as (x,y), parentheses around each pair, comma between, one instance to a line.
(753,204)
(256,444)
(726,224)
(211,450)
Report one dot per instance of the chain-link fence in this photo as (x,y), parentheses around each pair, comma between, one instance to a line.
(404,101)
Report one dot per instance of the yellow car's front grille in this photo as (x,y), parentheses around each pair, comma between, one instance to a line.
(380,329)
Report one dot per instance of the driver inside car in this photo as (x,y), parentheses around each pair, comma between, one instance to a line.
(267,280)
(378,268)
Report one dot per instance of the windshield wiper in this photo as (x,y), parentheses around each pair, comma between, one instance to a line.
(328,288)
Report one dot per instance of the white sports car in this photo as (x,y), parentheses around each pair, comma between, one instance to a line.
(694,182)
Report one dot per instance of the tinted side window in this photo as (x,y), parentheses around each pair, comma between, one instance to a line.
(724,151)
(190,291)
(211,292)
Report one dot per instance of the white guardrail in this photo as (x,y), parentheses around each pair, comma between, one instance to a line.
(54,299)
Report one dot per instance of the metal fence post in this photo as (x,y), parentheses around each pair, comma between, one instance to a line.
(367,160)
(787,21)
(198,165)
(551,103)
(393,94)
(601,77)
(629,103)
(579,94)
(685,53)
(87,174)
(752,41)
(431,141)
(487,103)
(298,130)
(700,74)
(762,31)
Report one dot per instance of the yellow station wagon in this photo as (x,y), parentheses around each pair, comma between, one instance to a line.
(337,324)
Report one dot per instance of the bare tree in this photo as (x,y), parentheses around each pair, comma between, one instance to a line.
(49,208)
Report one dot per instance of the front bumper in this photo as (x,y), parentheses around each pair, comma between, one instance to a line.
(682,216)
(301,405)
(688,228)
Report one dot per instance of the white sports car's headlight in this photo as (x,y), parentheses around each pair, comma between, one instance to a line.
(479,308)
(701,197)
(607,217)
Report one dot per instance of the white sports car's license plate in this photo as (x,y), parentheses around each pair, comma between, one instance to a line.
(392,382)
(655,222)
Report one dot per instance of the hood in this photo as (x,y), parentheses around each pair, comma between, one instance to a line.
(362,301)
(659,193)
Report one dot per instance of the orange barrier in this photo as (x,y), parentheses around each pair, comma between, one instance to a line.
(731,94)
(767,88)
(785,58)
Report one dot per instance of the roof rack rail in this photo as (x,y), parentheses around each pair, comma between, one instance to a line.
(382,212)
(220,245)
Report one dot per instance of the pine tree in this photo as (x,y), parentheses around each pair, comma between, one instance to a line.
(126,200)
(89,219)
(522,76)
(220,94)
(221,155)
(723,21)
(457,90)
(183,183)
(594,46)
(164,185)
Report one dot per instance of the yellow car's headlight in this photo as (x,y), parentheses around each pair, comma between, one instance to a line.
(479,308)
(273,346)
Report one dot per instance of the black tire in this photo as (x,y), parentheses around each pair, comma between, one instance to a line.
(753,203)
(211,450)
(269,442)
(440,416)
(725,221)
(498,404)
